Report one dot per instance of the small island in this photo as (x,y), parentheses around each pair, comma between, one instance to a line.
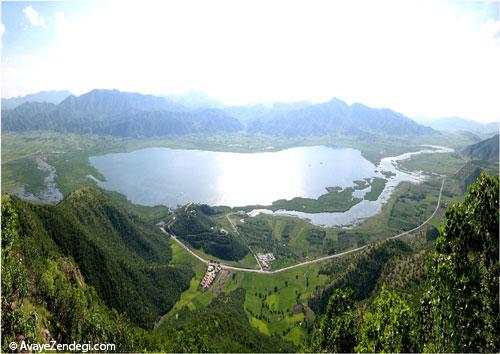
(336,200)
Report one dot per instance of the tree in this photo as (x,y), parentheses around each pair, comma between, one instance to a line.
(387,329)
(337,331)
(460,309)
(15,319)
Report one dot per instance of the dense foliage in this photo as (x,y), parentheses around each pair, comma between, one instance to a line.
(44,296)
(193,225)
(362,273)
(337,331)
(222,326)
(458,309)
(125,260)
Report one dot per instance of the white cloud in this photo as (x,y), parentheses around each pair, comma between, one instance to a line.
(33,16)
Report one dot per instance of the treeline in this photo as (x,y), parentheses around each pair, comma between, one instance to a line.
(193,225)
(458,307)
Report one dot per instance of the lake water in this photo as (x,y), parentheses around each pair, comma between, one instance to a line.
(365,208)
(174,177)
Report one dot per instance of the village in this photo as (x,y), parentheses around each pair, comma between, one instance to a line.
(209,277)
(265,259)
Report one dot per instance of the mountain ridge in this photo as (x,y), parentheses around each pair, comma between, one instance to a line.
(485,150)
(460,124)
(336,116)
(130,114)
(54,96)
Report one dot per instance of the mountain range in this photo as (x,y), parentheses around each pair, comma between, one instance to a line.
(43,96)
(126,114)
(460,124)
(111,112)
(336,116)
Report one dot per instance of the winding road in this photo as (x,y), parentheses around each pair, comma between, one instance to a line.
(317,260)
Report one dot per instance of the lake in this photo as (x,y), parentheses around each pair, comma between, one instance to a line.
(365,208)
(175,177)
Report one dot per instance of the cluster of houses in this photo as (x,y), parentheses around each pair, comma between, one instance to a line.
(209,277)
(266,259)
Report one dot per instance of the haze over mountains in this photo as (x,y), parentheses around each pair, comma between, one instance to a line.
(335,116)
(43,96)
(457,124)
(117,113)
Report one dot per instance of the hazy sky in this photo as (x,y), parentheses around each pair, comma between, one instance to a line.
(417,57)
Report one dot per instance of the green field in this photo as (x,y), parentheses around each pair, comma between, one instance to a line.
(194,296)
(378,185)
(269,299)
(301,238)
(442,163)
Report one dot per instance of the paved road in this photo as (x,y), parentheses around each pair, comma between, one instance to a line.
(317,260)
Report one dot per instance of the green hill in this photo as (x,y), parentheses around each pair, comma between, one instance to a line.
(125,260)
(486,150)
(439,299)
(62,282)
(222,326)
(193,225)
(44,295)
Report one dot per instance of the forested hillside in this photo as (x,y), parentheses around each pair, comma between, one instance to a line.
(222,326)
(44,295)
(125,260)
(62,282)
(456,308)
(486,150)
(193,225)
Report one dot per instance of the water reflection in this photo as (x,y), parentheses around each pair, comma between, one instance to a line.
(364,209)
(175,177)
